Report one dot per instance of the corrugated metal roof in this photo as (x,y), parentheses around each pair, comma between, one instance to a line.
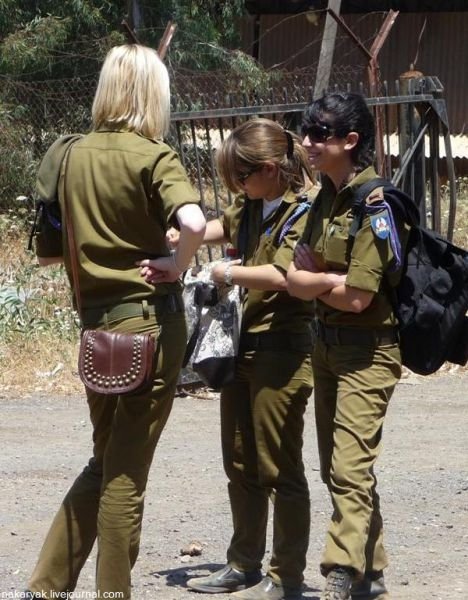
(290,41)
(272,7)
(459,145)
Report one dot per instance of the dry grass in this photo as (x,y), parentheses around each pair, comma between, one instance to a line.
(41,355)
(40,366)
(460,234)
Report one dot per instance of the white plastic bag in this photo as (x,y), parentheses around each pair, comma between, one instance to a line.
(213,313)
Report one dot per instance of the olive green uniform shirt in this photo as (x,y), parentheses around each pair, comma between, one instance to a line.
(370,257)
(123,191)
(269,310)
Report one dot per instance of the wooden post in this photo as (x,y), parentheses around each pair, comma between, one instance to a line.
(326,51)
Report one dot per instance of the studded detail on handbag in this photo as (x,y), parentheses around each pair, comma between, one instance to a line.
(116,363)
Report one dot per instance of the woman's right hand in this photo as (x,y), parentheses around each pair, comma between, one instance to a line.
(218,271)
(303,259)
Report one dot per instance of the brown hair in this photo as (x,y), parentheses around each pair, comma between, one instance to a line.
(256,142)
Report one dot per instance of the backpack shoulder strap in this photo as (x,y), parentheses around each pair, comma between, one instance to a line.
(365,190)
(48,174)
(243,237)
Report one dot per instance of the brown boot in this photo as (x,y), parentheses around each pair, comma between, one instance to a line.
(225,580)
(268,589)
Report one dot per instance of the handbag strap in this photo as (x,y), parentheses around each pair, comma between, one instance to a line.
(243,236)
(71,237)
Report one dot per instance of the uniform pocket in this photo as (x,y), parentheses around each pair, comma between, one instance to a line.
(335,245)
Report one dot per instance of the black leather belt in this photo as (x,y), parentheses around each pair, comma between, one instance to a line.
(278,341)
(348,336)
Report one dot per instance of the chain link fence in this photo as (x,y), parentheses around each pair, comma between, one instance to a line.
(35,113)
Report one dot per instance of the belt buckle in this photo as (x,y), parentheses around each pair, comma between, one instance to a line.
(320,331)
(255,341)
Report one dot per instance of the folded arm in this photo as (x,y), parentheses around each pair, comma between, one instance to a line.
(261,277)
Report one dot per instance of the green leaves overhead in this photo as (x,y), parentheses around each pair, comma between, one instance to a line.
(45,39)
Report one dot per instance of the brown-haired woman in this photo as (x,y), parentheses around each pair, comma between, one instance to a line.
(262,411)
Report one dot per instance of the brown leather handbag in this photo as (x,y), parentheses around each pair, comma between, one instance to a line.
(109,362)
(116,363)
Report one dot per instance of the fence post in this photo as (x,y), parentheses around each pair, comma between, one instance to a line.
(373,74)
(410,123)
(326,51)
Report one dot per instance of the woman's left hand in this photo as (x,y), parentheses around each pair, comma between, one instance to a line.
(159,270)
(218,271)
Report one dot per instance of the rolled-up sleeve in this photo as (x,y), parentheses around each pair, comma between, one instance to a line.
(171,184)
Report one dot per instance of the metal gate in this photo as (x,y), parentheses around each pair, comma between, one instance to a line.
(415,120)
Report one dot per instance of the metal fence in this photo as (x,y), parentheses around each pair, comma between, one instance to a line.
(416,119)
(34,113)
(40,112)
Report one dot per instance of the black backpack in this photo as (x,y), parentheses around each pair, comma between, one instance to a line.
(431,298)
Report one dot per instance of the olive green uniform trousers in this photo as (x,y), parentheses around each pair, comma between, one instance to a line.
(262,423)
(353,384)
(106,500)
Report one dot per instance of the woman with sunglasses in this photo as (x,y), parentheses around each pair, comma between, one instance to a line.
(262,410)
(356,358)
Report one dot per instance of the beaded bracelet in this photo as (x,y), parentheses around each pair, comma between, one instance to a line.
(228,275)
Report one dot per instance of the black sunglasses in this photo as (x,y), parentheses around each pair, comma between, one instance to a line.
(318,132)
(244,176)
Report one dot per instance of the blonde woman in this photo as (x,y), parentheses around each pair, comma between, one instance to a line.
(125,188)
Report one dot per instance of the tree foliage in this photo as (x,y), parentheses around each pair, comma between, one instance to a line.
(45,39)
(51,39)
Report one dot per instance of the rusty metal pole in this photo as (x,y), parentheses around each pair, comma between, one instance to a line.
(409,124)
(130,33)
(373,75)
(166,39)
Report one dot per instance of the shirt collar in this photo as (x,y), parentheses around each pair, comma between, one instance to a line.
(351,186)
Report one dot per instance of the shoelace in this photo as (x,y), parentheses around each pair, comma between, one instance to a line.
(336,585)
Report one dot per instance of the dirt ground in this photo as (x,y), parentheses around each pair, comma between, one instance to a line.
(423,476)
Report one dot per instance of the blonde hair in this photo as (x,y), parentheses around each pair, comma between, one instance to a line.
(133,92)
(256,142)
